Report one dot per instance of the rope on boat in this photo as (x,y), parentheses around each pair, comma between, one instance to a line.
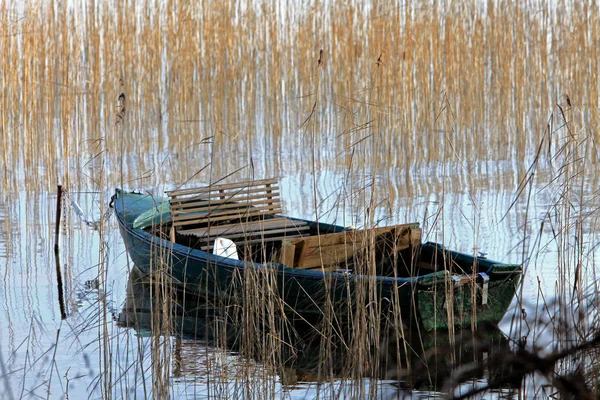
(81,214)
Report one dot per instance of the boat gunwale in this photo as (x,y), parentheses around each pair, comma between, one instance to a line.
(198,255)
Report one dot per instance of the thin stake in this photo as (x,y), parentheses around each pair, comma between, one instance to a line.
(59,282)
(58,218)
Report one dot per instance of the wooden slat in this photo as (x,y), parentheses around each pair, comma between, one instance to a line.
(260,198)
(254,241)
(328,255)
(194,219)
(234,213)
(205,212)
(235,205)
(258,236)
(226,186)
(215,207)
(269,239)
(297,231)
(226,196)
(358,236)
(255,226)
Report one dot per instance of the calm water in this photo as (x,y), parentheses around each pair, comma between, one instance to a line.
(443,133)
(40,351)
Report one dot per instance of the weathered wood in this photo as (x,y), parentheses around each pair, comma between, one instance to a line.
(286,254)
(218,187)
(337,248)
(245,212)
(205,203)
(238,214)
(301,248)
(201,207)
(268,231)
(255,226)
(224,197)
(256,240)
(244,216)
(204,212)
(329,255)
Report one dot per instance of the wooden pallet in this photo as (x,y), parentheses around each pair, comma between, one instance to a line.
(243,211)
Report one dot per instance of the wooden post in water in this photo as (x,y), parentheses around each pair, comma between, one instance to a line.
(59,282)
(58,218)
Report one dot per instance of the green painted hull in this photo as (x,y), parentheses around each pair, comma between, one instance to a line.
(435,300)
(301,344)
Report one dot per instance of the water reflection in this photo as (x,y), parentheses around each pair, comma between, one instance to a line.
(232,86)
(207,344)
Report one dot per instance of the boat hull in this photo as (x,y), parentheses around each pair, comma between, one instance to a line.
(436,300)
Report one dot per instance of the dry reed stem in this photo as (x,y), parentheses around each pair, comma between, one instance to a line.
(246,77)
(232,76)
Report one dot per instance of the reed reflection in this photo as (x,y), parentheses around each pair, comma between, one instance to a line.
(209,342)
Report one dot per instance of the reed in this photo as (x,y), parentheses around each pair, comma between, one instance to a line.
(369,108)
(184,87)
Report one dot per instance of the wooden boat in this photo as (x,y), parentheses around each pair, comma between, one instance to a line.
(313,266)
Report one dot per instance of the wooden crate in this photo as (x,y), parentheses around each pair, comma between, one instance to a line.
(332,250)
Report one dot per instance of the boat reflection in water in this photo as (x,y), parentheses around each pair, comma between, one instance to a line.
(208,342)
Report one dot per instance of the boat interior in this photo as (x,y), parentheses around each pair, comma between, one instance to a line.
(245,221)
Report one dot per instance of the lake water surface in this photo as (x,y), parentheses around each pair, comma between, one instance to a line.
(478,121)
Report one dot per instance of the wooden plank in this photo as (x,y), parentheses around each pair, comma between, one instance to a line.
(203,189)
(329,255)
(403,239)
(336,248)
(206,203)
(253,226)
(254,241)
(270,239)
(205,211)
(220,187)
(286,254)
(194,220)
(267,236)
(357,236)
(238,213)
(300,253)
(295,230)
(224,196)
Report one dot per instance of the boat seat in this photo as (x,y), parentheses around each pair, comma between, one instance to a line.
(246,212)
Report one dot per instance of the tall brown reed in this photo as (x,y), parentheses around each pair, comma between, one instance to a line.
(186,67)
(245,80)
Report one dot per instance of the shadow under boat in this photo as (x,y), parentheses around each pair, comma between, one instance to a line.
(410,360)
